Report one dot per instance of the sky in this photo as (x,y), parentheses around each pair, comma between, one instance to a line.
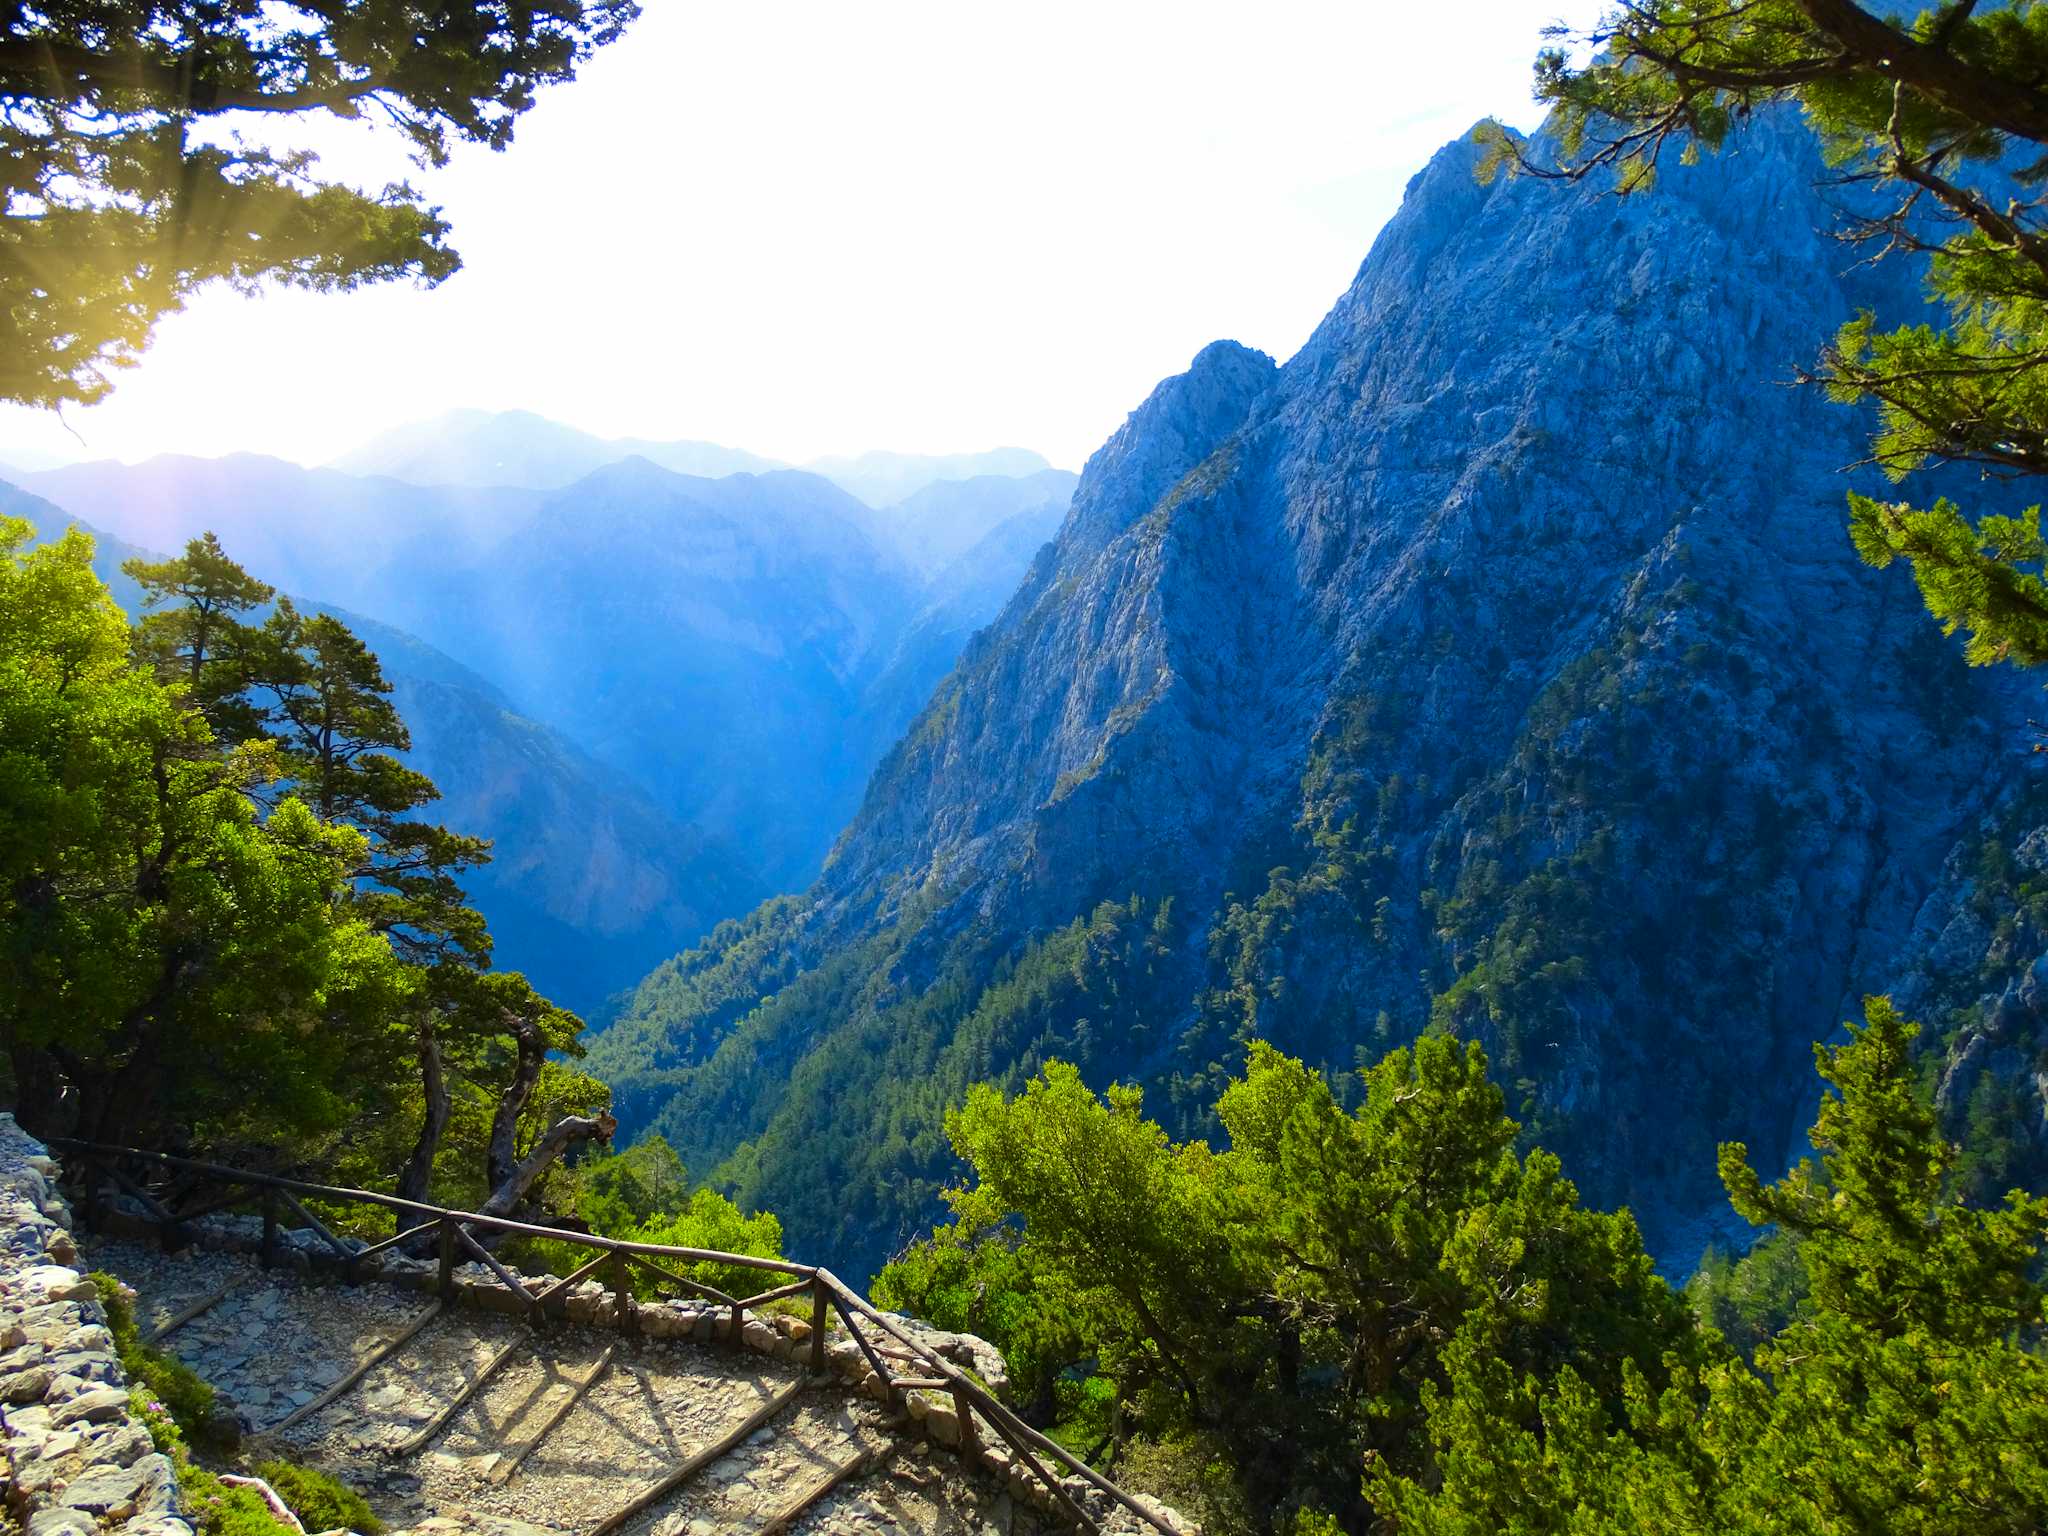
(817,228)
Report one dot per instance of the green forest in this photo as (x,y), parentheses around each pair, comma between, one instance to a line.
(1389,1318)
(229,928)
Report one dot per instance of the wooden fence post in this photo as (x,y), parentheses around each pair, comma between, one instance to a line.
(622,1292)
(965,1410)
(446,1283)
(817,1323)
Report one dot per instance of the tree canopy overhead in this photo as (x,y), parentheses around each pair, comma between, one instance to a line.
(1945,111)
(141,155)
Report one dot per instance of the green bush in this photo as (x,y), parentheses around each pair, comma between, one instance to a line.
(162,1376)
(223,1511)
(214,1508)
(322,1503)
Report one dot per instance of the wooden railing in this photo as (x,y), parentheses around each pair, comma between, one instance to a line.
(453,1233)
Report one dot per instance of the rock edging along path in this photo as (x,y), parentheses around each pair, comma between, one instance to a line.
(74,1461)
(451,1402)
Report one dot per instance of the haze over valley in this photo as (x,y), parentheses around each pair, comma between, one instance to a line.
(660,693)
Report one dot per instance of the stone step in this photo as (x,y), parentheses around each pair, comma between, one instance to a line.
(402,1393)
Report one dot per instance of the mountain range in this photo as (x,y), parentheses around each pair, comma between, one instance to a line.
(519,449)
(660,693)
(1463,674)
(1498,665)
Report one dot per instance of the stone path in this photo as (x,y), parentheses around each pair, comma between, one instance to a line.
(279,1339)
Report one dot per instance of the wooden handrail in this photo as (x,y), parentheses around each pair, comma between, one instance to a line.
(1012,1428)
(780,1293)
(942,1374)
(432,1215)
(710,1292)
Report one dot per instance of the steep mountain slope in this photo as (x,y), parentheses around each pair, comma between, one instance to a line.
(486,448)
(590,880)
(1500,665)
(709,637)
(589,883)
(958,600)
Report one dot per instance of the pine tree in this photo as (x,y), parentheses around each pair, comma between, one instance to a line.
(328,705)
(1945,116)
(171,958)
(314,714)
(1909,1394)
(123,189)
(195,636)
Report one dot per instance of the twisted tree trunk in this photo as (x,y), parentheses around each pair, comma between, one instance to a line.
(561,1136)
(418,1174)
(501,1157)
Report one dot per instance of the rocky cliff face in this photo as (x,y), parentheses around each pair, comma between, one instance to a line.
(1499,665)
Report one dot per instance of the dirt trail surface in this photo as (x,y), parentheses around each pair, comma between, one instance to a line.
(571,1427)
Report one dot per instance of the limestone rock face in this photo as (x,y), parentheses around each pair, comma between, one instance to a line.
(1500,661)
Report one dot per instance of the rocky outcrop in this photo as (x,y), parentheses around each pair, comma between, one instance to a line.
(77,1461)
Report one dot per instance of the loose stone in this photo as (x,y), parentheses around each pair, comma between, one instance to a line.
(91,1407)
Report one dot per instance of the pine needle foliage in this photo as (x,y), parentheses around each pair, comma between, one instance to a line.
(1939,118)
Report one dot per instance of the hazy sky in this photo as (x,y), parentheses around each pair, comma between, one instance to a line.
(810,228)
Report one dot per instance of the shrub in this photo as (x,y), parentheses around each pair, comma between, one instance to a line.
(166,1379)
(322,1503)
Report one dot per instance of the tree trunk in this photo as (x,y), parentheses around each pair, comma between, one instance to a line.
(41,1102)
(117,1105)
(501,1156)
(565,1133)
(119,1108)
(418,1175)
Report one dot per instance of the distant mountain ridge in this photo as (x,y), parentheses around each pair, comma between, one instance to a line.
(883,479)
(711,637)
(940,523)
(340,538)
(738,650)
(520,449)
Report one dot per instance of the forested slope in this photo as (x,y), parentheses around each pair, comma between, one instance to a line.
(1464,673)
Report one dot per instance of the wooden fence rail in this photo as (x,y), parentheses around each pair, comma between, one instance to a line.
(454,1233)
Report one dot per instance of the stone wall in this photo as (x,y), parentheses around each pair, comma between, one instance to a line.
(73,1461)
